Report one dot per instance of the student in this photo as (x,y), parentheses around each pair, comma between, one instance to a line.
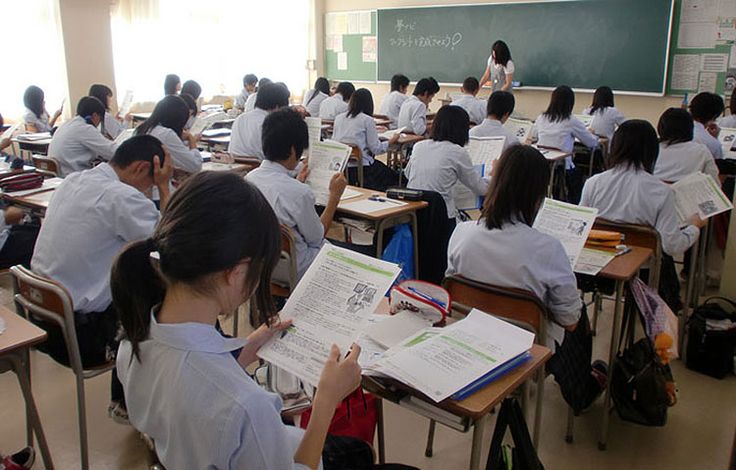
(92,216)
(245,140)
(249,86)
(172,84)
(337,103)
(250,103)
(214,249)
(500,68)
(391,104)
(36,117)
(78,142)
(166,123)
(413,112)
(191,88)
(111,126)
(606,118)
(679,156)
(476,108)
(193,111)
(285,138)
(499,108)
(314,97)
(705,109)
(357,127)
(503,249)
(16,238)
(440,163)
(729,121)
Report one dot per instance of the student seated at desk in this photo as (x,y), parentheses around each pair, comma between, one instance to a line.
(357,127)
(36,118)
(16,238)
(249,87)
(78,142)
(111,125)
(166,123)
(630,193)
(92,216)
(606,118)
(705,109)
(391,104)
(245,140)
(172,84)
(191,88)
(476,108)
(250,103)
(285,138)
(503,249)
(214,249)
(314,97)
(729,122)
(440,163)
(413,113)
(499,108)
(337,103)
(679,155)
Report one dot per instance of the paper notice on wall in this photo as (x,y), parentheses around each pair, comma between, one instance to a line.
(697,35)
(699,10)
(342,61)
(365,22)
(353,26)
(340,23)
(727,29)
(707,82)
(713,62)
(329,25)
(685,71)
(370,47)
(337,43)
(727,9)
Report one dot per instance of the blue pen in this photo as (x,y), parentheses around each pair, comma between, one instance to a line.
(428,297)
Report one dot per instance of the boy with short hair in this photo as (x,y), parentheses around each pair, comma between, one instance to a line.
(392,102)
(476,108)
(413,113)
(499,108)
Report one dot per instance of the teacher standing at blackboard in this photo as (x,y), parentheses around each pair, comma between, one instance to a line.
(500,69)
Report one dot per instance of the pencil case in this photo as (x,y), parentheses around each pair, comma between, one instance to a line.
(428,300)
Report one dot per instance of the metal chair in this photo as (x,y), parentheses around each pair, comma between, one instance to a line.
(48,301)
(45,164)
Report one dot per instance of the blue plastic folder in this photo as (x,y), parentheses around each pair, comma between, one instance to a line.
(481,382)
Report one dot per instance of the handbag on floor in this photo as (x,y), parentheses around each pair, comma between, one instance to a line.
(523,456)
(711,340)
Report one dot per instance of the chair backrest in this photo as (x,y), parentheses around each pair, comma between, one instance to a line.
(46,164)
(638,235)
(517,305)
(286,267)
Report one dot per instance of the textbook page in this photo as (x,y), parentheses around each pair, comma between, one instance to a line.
(727,137)
(127,103)
(390,133)
(592,261)
(203,123)
(331,303)
(699,193)
(440,365)
(325,159)
(484,150)
(465,199)
(568,223)
(520,127)
(314,128)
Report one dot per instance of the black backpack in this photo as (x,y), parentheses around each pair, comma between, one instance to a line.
(710,351)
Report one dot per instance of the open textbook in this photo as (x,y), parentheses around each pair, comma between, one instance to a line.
(568,223)
(727,138)
(520,127)
(592,261)
(699,194)
(483,151)
(205,122)
(325,159)
(330,305)
(387,135)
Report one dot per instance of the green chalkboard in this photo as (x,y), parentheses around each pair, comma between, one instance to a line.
(352,46)
(580,43)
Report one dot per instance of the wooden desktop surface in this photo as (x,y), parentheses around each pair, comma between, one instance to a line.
(19,332)
(625,267)
(410,206)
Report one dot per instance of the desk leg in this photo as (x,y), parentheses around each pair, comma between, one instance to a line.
(551,186)
(415,232)
(478,428)
(689,294)
(617,309)
(381,432)
(379,237)
(538,407)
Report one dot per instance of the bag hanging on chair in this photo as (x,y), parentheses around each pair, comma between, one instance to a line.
(356,416)
(523,456)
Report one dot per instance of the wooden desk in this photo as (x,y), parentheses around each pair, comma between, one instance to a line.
(554,157)
(40,146)
(238,168)
(37,202)
(15,343)
(213,143)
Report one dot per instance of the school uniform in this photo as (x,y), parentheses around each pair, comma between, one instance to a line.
(701,135)
(241,99)
(361,131)
(493,128)
(605,120)
(311,103)
(245,140)
(562,134)
(439,166)
(76,144)
(676,161)
(729,122)
(476,108)
(413,116)
(40,122)
(250,103)
(182,157)
(391,106)
(330,107)
(499,72)
(112,126)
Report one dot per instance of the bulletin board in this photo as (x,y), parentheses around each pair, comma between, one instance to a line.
(351,48)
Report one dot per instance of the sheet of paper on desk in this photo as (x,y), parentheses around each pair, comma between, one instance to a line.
(325,160)
(442,364)
(330,305)
(367,206)
(568,223)
(349,194)
(699,193)
(396,328)
(592,261)
(388,134)
(550,154)
(484,150)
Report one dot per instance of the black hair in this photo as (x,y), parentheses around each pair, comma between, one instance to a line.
(426,85)
(89,105)
(706,107)
(399,81)
(732,103)
(213,222)
(139,148)
(346,89)
(101,92)
(634,145)
(33,99)
(272,96)
(249,79)
(191,88)
(191,103)
(518,187)
(262,82)
(452,124)
(360,102)
(502,53)
(471,85)
(283,130)
(172,112)
(500,103)
(321,85)
(560,104)
(170,83)
(602,99)
(675,126)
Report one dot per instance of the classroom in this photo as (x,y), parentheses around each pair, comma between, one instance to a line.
(353,234)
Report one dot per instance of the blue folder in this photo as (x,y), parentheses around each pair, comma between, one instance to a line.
(484,380)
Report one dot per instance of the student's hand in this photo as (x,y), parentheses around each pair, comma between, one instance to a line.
(394,139)
(713,129)
(14,215)
(697,221)
(257,339)
(303,173)
(162,174)
(128,117)
(192,139)
(337,186)
(339,376)
(57,113)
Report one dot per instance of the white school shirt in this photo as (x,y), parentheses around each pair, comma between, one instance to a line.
(203,411)
(361,131)
(293,202)
(113,127)
(413,116)
(521,257)
(41,123)
(438,166)
(493,128)
(391,106)
(700,134)
(605,121)
(250,103)
(499,72)
(331,106)
(626,195)
(729,122)
(561,135)
(476,108)
(245,140)
(241,99)
(182,157)
(76,145)
(312,104)
(91,217)
(677,161)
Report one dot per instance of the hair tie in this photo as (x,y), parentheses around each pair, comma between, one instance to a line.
(152,247)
